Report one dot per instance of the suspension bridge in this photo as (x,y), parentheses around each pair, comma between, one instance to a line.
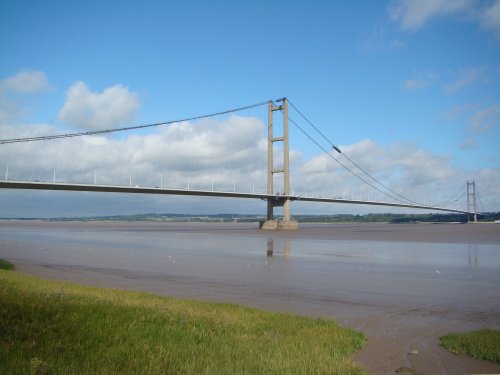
(277,188)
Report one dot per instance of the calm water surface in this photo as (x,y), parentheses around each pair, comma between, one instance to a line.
(217,264)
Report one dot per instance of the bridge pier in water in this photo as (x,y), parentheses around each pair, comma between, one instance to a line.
(278,200)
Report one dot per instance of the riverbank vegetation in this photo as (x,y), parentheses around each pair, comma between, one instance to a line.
(483,344)
(57,327)
(6,265)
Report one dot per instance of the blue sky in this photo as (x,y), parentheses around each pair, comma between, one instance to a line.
(392,75)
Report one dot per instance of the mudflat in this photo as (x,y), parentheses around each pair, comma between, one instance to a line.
(404,285)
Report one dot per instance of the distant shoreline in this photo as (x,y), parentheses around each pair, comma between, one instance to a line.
(252,218)
(387,232)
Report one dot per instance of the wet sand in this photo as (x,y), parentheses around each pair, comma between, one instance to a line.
(403,285)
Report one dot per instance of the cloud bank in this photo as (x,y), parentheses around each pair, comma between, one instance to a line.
(203,155)
(112,107)
(231,154)
(26,81)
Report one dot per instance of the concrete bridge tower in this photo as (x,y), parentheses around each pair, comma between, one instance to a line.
(471,201)
(284,198)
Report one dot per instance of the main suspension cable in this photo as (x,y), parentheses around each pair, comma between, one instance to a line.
(106,131)
(350,160)
(342,164)
(480,202)
(462,192)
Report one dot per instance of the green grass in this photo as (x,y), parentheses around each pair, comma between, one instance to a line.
(63,328)
(483,344)
(5,265)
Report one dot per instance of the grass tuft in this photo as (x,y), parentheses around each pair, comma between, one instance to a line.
(38,367)
(58,327)
(483,344)
(5,265)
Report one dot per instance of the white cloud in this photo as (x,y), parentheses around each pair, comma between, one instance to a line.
(466,77)
(415,84)
(490,18)
(8,109)
(420,82)
(413,14)
(26,81)
(84,109)
(485,118)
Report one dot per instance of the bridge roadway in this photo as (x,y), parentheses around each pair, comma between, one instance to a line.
(28,185)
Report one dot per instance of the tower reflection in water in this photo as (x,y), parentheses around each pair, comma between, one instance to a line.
(473,255)
(286,248)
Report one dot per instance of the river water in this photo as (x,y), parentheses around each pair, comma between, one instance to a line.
(403,285)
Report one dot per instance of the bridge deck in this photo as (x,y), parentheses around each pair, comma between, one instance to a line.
(28,185)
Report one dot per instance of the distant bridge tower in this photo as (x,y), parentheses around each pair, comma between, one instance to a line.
(284,198)
(471,201)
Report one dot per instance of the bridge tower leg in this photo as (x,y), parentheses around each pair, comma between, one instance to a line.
(278,200)
(471,201)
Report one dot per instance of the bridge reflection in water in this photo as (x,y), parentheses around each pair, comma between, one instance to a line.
(286,248)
